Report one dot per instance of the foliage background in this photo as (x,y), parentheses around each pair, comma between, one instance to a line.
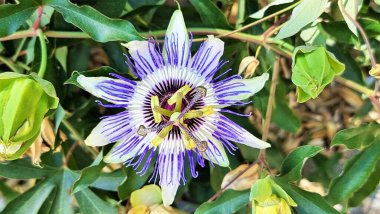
(61,175)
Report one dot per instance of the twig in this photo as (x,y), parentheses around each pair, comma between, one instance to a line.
(219,192)
(69,153)
(261,20)
(79,138)
(268,115)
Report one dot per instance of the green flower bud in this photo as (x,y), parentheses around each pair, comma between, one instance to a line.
(24,101)
(269,198)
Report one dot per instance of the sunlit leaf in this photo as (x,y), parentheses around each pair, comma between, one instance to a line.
(305,13)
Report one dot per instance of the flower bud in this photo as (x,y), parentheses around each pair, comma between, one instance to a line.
(269,198)
(24,101)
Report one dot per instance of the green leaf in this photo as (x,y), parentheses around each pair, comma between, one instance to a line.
(305,13)
(355,174)
(8,193)
(307,202)
(30,201)
(229,202)
(352,8)
(12,16)
(359,137)
(98,26)
(313,68)
(291,168)
(110,181)
(210,14)
(368,188)
(89,203)
(23,169)
(260,14)
(89,174)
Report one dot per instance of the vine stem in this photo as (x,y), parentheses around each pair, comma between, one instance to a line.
(261,20)
(369,48)
(78,137)
(42,69)
(268,115)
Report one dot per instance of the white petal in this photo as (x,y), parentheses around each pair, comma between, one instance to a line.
(170,167)
(109,130)
(107,89)
(131,146)
(228,129)
(206,60)
(146,58)
(215,151)
(177,41)
(236,90)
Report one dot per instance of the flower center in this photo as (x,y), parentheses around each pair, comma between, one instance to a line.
(176,116)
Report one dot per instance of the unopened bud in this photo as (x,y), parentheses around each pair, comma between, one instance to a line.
(248,66)
(25,99)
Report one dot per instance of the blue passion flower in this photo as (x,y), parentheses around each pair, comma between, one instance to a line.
(173,112)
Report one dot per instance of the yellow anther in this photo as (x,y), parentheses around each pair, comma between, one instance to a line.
(184,90)
(157,140)
(162,111)
(178,103)
(206,111)
(189,143)
(153,103)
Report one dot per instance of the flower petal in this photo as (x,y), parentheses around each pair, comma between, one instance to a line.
(130,147)
(146,58)
(171,168)
(232,90)
(111,129)
(206,61)
(177,45)
(229,130)
(215,151)
(117,91)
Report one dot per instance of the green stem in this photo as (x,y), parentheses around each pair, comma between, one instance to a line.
(10,64)
(42,69)
(78,137)
(15,56)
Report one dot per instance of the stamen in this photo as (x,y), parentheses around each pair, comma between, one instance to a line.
(153,103)
(201,145)
(157,140)
(178,104)
(184,90)
(162,111)
(143,131)
(200,92)
(206,111)
(189,143)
